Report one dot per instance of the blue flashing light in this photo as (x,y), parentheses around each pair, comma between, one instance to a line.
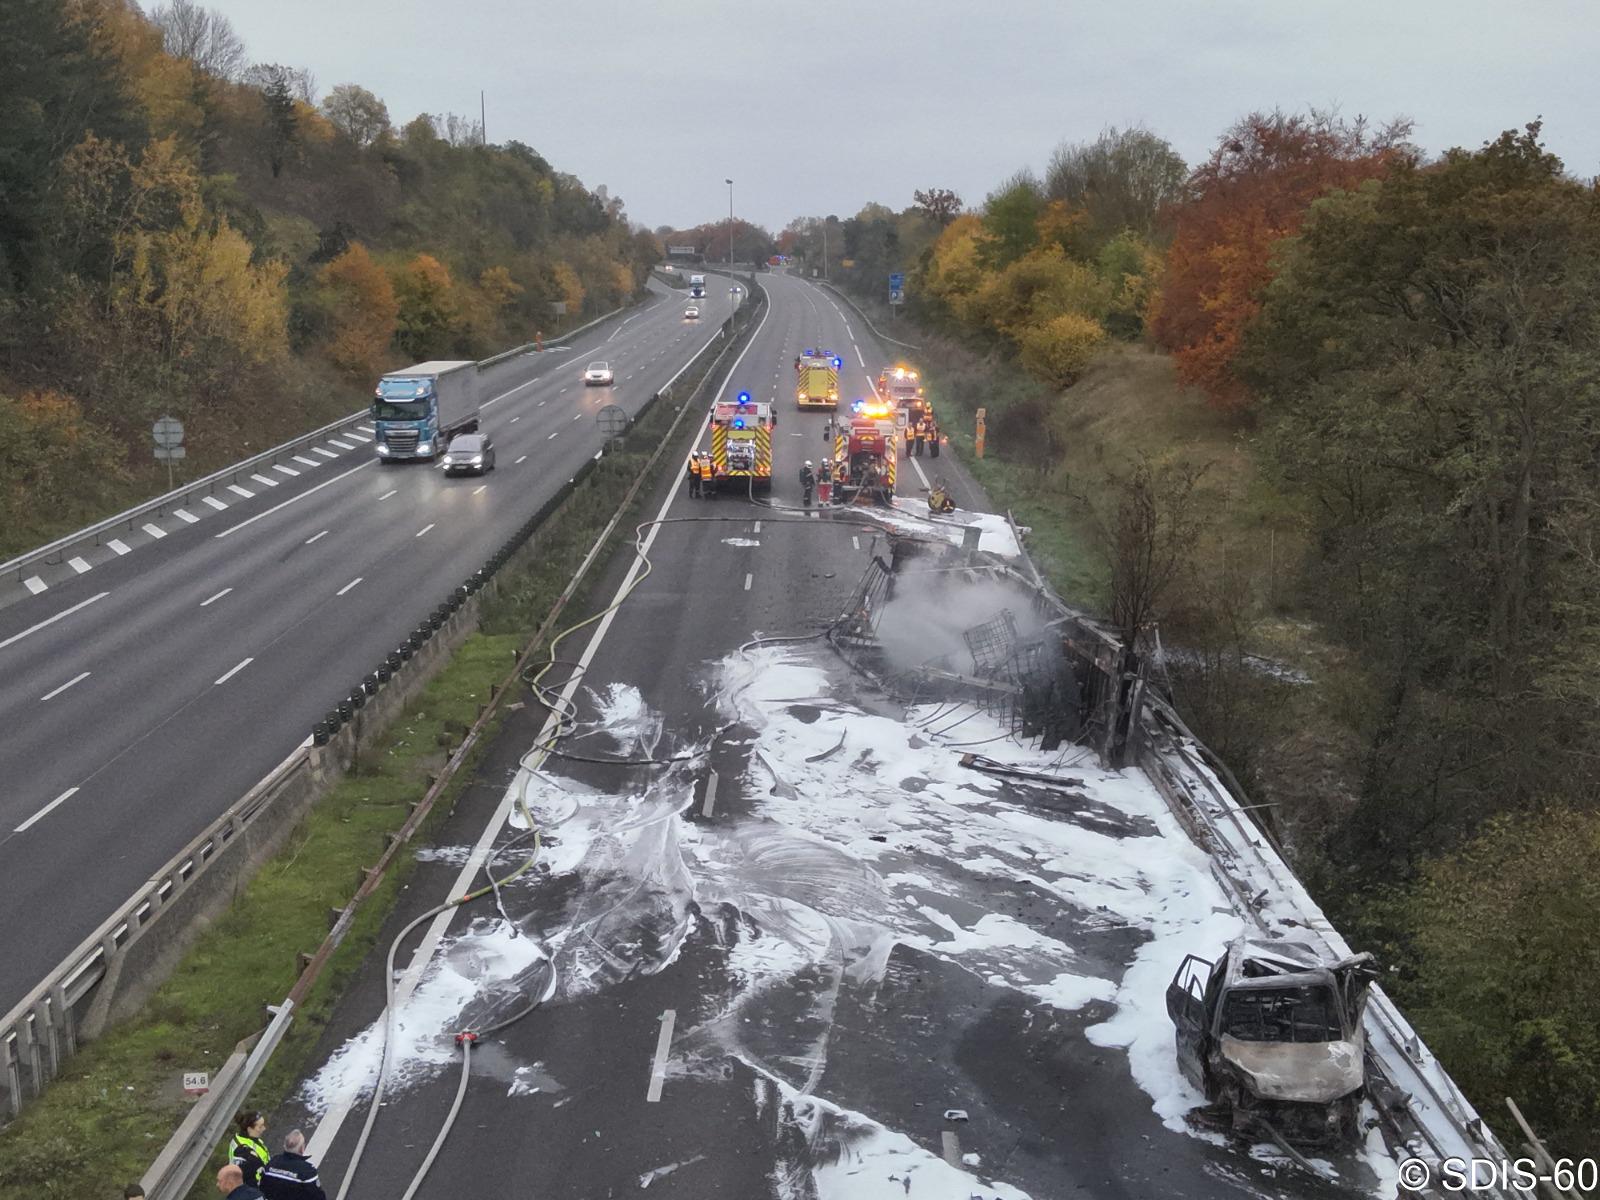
(838,363)
(738,422)
(744,397)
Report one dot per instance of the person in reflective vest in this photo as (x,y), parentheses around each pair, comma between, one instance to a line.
(808,481)
(694,475)
(246,1149)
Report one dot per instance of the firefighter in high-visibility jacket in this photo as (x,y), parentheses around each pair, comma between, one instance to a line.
(934,437)
(922,437)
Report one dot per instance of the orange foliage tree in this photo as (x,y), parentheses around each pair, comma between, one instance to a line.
(1253,191)
(364,310)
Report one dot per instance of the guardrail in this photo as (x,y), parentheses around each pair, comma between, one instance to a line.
(187,1151)
(57,551)
(878,333)
(87,991)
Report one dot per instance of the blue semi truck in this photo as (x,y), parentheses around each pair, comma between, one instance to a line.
(415,412)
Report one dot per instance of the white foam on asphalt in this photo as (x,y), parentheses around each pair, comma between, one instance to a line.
(911,517)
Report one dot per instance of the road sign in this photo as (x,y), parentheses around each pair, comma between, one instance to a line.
(613,421)
(196,1083)
(168,431)
(170,453)
(897,287)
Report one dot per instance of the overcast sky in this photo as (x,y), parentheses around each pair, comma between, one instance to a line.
(820,106)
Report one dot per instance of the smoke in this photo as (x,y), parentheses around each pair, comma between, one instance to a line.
(931,609)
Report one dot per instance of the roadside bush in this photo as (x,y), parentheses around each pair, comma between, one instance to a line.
(1059,350)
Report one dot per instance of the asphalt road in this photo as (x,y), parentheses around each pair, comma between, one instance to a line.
(657,1066)
(143,695)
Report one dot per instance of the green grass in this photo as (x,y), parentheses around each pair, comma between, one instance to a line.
(103,1121)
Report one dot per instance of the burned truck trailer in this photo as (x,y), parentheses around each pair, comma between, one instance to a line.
(1271,1033)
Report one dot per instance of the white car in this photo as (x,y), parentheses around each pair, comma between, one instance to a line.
(692,313)
(598,374)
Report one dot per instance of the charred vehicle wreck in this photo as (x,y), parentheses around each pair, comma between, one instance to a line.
(1271,1033)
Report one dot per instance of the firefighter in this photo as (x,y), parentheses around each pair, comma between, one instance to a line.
(695,487)
(939,501)
(922,437)
(808,481)
(708,476)
(933,436)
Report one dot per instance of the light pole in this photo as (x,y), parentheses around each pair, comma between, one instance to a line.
(729,182)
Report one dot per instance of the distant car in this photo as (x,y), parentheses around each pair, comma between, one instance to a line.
(469,454)
(692,313)
(598,374)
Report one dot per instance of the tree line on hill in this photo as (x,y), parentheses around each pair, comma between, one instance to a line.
(184,232)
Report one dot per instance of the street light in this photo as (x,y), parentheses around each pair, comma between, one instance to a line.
(729,182)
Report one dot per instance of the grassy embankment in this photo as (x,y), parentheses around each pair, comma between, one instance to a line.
(104,1120)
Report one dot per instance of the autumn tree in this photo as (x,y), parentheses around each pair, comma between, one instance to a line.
(1011,220)
(357,113)
(428,306)
(51,456)
(202,36)
(363,311)
(940,205)
(1253,191)
(1122,180)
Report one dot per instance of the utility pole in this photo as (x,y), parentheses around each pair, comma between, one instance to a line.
(729,182)
(824,247)
(483,119)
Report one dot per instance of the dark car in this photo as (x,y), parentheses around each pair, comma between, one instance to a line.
(469,454)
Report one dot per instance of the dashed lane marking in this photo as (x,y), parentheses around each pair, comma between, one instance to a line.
(34,584)
(747,581)
(187,517)
(46,810)
(658,1070)
(324,453)
(316,537)
(389,493)
(349,585)
(855,542)
(296,499)
(425,528)
(63,687)
(246,493)
(79,565)
(859,359)
(265,481)
(219,505)
(230,674)
(756,528)
(284,470)
(520,461)
(514,420)
(341,445)
(553,436)
(213,599)
(118,546)
(66,612)
(155,531)
(304,461)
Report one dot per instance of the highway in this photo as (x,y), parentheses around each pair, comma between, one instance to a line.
(727,1017)
(157,678)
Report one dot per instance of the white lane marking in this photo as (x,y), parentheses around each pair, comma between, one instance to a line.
(521,460)
(482,487)
(215,598)
(756,528)
(284,469)
(859,359)
(541,404)
(917,467)
(63,687)
(514,420)
(349,585)
(577,416)
(341,445)
(355,437)
(46,810)
(324,453)
(562,391)
(155,531)
(118,545)
(855,542)
(425,529)
(366,429)
(389,493)
(219,505)
(658,1071)
(316,537)
(747,580)
(296,499)
(711,794)
(79,565)
(614,332)
(186,516)
(233,672)
(310,462)
(244,493)
(265,481)
(952,1148)
(328,1129)
(553,436)
(34,584)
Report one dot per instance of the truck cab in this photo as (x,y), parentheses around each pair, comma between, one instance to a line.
(697,286)
(415,412)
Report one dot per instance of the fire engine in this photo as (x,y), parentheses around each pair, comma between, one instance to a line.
(865,455)
(901,388)
(741,443)
(817,379)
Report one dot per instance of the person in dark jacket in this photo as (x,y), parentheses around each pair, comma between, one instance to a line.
(230,1182)
(247,1151)
(291,1175)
